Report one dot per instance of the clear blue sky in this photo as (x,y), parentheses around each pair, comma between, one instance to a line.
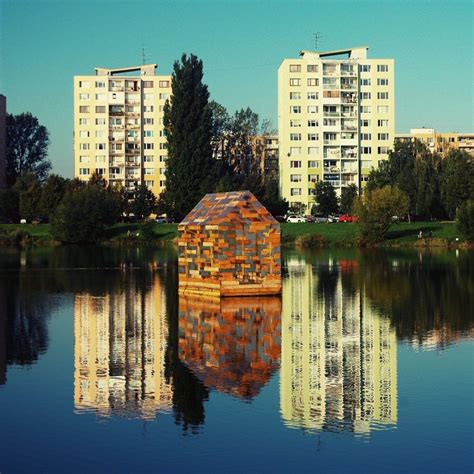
(45,43)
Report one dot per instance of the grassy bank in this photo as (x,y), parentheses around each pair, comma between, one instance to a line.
(305,234)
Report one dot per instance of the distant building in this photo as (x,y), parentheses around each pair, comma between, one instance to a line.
(118,126)
(336,120)
(3,141)
(265,149)
(439,142)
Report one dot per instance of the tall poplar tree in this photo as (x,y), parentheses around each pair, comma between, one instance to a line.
(190,167)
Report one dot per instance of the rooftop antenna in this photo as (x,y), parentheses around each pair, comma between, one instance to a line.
(317,36)
(143,54)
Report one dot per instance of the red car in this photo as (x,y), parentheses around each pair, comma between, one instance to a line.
(348,218)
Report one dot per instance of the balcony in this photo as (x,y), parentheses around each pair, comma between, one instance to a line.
(331,169)
(115,113)
(349,99)
(116,88)
(331,114)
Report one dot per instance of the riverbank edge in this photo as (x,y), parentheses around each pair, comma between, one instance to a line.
(293,236)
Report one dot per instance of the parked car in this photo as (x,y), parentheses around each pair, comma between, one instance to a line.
(332,219)
(320,219)
(309,218)
(164,220)
(348,218)
(294,218)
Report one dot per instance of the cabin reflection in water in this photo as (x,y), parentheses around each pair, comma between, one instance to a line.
(339,357)
(119,350)
(231,344)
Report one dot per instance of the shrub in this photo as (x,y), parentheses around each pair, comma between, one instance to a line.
(465,220)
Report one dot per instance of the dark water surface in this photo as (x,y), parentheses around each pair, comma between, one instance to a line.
(365,364)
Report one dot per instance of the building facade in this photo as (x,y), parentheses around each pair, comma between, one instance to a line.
(118,126)
(3,141)
(439,142)
(336,120)
(265,150)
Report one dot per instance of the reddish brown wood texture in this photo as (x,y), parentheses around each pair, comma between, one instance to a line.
(229,244)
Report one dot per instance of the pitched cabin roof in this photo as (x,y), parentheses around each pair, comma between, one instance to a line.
(226,208)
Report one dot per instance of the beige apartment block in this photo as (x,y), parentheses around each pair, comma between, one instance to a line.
(118,126)
(336,120)
(439,142)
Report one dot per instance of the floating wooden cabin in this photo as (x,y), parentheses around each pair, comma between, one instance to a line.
(229,245)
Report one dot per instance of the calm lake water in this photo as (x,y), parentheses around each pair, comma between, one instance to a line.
(365,364)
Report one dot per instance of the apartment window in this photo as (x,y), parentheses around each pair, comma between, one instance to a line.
(382,95)
(295,136)
(295,109)
(313,164)
(161,108)
(148,108)
(163,158)
(312,123)
(295,191)
(312,96)
(163,83)
(295,95)
(100,109)
(149,121)
(312,137)
(382,109)
(163,146)
(148,146)
(148,158)
(383,136)
(164,96)
(100,84)
(162,171)
(295,150)
(295,68)
(84,134)
(382,68)
(100,121)
(382,82)
(84,146)
(365,95)
(83,96)
(149,182)
(313,150)
(366,136)
(148,171)
(84,109)
(100,97)
(100,133)
(365,109)
(365,82)
(382,150)
(162,183)
(382,123)
(148,133)
(147,84)
(312,68)
(295,164)
(295,123)
(312,109)
(366,150)
(149,96)
(83,121)
(366,163)
(295,178)
(100,146)
(295,82)
(365,68)
(100,159)
(365,123)
(84,159)
(84,84)
(83,171)
(312,82)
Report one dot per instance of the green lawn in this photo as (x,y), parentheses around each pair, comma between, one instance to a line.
(331,234)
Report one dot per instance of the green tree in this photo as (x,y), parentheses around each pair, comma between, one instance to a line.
(51,194)
(9,206)
(326,198)
(190,167)
(85,214)
(456,180)
(376,210)
(26,147)
(271,199)
(29,202)
(426,175)
(348,194)
(144,202)
(465,219)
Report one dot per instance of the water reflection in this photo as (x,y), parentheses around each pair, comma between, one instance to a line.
(339,357)
(231,344)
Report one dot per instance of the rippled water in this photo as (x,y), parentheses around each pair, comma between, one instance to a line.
(363,365)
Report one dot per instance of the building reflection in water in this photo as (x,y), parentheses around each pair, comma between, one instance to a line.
(339,358)
(120,343)
(231,344)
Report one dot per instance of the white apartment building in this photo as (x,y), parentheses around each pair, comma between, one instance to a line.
(118,126)
(336,120)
